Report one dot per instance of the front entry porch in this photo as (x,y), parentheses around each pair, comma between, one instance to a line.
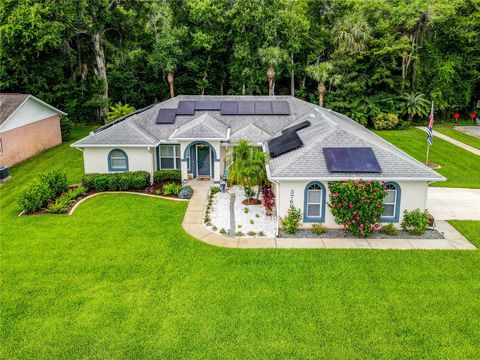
(201,161)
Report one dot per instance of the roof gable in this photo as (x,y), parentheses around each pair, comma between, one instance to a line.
(204,126)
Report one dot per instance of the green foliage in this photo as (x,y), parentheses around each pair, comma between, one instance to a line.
(130,180)
(239,233)
(385,121)
(357,205)
(35,196)
(251,233)
(60,205)
(171,189)
(260,233)
(223,231)
(415,105)
(118,110)
(55,180)
(214,190)
(66,126)
(389,229)
(167,175)
(186,192)
(319,229)
(415,221)
(272,56)
(291,223)
(246,210)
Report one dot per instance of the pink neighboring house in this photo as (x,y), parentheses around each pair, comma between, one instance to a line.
(27,127)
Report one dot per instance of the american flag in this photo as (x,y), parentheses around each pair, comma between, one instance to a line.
(430,128)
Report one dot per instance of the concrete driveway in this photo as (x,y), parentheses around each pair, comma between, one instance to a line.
(454,204)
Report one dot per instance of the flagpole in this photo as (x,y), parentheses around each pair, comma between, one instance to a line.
(428,150)
(430,135)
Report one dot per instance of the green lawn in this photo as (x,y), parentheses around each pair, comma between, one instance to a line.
(460,136)
(460,167)
(121,279)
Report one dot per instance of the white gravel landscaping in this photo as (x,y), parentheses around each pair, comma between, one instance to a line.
(254,220)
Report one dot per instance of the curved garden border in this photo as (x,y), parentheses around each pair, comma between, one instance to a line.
(121,192)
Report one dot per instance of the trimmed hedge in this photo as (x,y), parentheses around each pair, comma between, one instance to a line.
(38,193)
(133,180)
(167,175)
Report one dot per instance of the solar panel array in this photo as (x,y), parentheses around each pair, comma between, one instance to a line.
(167,116)
(288,141)
(351,159)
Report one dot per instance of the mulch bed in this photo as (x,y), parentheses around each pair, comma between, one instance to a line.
(338,233)
(251,201)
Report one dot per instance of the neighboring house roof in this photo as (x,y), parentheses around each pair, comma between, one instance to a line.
(327,129)
(204,127)
(13,105)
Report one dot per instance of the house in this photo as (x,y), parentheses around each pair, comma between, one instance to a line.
(308,147)
(27,126)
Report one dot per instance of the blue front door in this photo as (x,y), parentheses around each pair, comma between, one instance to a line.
(203,160)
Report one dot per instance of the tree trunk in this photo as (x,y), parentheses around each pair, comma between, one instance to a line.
(170,84)
(243,89)
(292,77)
(410,117)
(101,72)
(321,93)
(271,76)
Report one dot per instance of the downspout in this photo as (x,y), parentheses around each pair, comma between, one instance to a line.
(152,163)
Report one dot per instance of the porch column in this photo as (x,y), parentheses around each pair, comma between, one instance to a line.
(183,160)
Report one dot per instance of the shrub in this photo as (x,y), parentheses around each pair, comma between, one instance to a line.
(239,233)
(248,192)
(66,126)
(55,180)
(357,205)
(318,229)
(214,190)
(389,229)
(402,125)
(268,198)
(252,222)
(291,222)
(74,193)
(167,175)
(60,205)
(185,193)
(171,189)
(415,222)
(35,196)
(132,180)
(239,226)
(385,121)
(251,233)
(223,231)
(207,219)
(261,233)
(214,228)
(257,215)
(246,210)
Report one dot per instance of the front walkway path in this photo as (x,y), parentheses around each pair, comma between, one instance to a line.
(452,140)
(453,203)
(193,224)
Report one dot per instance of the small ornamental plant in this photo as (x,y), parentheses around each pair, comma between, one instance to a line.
(357,205)
(291,223)
(268,198)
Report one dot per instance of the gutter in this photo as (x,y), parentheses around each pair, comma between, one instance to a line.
(340,178)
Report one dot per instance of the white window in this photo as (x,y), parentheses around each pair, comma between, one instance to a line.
(390,201)
(118,160)
(169,156)
(314,201)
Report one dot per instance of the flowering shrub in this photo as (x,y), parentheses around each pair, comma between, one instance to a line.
(268,198)
(357,205)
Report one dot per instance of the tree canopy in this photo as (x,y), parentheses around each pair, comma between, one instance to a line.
(84,56)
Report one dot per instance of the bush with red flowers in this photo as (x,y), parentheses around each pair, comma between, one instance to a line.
(357,205)
(268,198)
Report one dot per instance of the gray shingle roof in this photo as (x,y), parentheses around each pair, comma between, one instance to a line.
(9,103)
(328,129)
(204,126)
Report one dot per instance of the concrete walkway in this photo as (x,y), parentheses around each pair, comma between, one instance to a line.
(193,224)
(452,140)
(454,203)
(470,130)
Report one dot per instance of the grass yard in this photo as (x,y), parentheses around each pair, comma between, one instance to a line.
(121,279)
(460,136)
(460,167)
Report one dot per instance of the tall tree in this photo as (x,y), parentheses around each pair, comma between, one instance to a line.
(271,56)
(322,73)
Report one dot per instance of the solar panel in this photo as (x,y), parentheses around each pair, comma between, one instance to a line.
(350,159)
(229,108)
(300,126)
(207,105)
(280,108)
(284,144)
(263,107)
(186,108)
(246,108)
(166,116)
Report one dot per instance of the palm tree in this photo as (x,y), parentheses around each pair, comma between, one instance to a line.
(415,105)
(118,110)
(352,34)
(322,73)
(272,56)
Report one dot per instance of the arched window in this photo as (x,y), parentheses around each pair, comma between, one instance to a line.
(117,160)
(391,202)
(314,209)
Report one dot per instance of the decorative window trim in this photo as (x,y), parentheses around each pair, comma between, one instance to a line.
(315,219)
(396,212)
(110,157)
(176,156)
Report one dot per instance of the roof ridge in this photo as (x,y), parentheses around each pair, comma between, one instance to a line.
(145,135)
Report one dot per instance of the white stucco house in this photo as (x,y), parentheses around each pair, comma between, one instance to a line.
(308,146)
